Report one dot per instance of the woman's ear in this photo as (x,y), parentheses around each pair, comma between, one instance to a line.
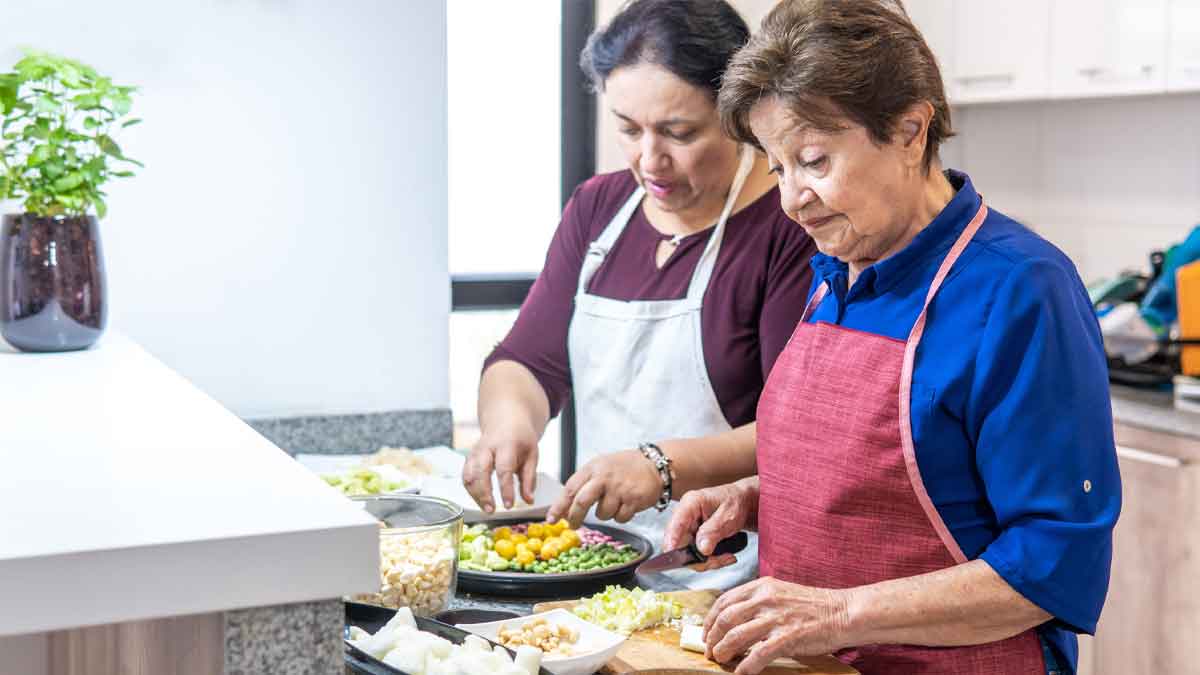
(912,133)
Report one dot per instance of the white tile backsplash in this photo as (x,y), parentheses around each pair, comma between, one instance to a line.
(1107,180)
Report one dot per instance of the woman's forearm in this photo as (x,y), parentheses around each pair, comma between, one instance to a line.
(510,397)
(711,460)
(962,605)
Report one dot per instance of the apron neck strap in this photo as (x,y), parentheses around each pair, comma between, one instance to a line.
(956,250)
(814,302)
(947,263)
(708,259)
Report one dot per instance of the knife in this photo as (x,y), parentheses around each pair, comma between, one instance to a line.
(690,555)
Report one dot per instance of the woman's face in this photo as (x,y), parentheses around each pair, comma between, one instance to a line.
(849,194)
(671,137)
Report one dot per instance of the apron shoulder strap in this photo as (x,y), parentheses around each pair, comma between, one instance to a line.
(598,250)
(708,259)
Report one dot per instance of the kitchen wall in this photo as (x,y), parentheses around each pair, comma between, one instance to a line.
(1107,180)
(285,247)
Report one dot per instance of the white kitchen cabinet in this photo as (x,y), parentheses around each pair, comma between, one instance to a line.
(1107,47)
(1001,51)
(1183,55)
(935,20)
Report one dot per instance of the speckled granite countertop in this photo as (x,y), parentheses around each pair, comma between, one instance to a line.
(1154,410)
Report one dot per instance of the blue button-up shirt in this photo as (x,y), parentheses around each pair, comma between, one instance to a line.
(1011,416)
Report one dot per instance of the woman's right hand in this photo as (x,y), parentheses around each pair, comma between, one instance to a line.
(707,516)
(509,452)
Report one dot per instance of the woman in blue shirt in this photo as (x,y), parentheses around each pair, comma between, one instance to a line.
(936,473)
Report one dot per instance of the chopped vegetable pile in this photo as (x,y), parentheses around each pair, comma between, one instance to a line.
(401,645)
(625,611)
(540,548)
(373,481)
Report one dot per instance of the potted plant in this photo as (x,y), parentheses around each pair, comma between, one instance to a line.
(57,120)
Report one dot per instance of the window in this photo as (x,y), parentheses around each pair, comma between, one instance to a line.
(521,136)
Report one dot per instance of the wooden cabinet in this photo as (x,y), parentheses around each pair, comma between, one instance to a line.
(1183,52)
(1107,47)
(1152,614)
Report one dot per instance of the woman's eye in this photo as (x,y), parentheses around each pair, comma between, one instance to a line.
(629,131)
(683,136)
(816,163)
(778,170)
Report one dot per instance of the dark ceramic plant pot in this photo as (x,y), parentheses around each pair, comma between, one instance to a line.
(51,282)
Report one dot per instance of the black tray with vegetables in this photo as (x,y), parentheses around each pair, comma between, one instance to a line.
(371,618)
(510,557)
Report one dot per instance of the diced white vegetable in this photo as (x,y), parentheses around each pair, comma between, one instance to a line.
(403,617)
(529,659)
(357,634)
(475,643)
(438,646)
(378,644)
(691,638)
(409,656)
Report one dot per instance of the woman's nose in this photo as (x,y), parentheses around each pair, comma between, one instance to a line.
(795,197)
(654,158)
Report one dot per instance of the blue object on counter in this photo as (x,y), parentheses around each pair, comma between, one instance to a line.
(1159,307)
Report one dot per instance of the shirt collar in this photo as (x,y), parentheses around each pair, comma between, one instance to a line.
(934,240)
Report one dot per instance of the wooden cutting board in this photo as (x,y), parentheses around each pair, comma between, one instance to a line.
(657,652)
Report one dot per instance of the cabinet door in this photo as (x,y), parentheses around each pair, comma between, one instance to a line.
(1108,47)
(935,20)
(1183,56)
(1001,50)
(1154,592)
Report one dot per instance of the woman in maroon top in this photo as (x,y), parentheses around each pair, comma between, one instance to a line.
(668,291)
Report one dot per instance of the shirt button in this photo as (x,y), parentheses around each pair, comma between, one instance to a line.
(1087,486)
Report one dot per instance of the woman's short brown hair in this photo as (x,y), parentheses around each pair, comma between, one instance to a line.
(831,60)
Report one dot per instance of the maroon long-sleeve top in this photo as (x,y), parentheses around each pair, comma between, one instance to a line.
(754,300)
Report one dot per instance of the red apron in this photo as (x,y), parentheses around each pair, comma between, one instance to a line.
(842,501)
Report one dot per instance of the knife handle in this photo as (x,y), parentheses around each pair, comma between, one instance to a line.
(731,544)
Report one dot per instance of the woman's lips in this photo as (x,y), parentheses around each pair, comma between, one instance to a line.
(814,223)
(658,188)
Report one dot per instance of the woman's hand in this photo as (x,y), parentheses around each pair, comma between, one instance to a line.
(621,485)
(767,619)
(712,514)
(510,452)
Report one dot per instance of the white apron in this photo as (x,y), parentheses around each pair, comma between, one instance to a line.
(638,373)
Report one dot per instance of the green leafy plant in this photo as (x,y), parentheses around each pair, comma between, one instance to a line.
(57,119)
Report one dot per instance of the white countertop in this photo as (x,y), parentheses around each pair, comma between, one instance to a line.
(126,493)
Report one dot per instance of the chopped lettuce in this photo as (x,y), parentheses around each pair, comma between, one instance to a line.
(625,611)
(358,482)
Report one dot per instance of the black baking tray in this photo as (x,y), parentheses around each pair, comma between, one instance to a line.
(565,585)
(371,618)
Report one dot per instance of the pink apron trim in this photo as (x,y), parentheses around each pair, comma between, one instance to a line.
(906,375)
(814,302)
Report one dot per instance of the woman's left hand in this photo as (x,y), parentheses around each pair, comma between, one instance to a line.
(768,619)
(621,485)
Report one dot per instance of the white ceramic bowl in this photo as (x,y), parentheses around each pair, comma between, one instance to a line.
(595,647)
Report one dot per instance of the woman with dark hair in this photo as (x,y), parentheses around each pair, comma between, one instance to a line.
(668,290)
(936,480)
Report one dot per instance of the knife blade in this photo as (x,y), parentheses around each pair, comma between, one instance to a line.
(690,555)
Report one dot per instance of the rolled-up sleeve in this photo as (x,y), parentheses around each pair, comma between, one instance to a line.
(1040,410)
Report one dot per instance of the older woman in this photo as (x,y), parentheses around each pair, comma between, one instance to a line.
(669,289)
(936,474)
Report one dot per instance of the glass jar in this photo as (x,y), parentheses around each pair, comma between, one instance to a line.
(418,552)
